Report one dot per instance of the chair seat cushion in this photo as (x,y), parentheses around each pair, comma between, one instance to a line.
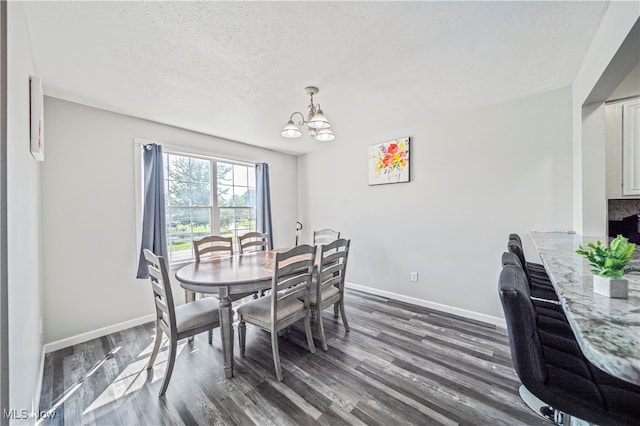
(326,294)
(259,311)
(197,314)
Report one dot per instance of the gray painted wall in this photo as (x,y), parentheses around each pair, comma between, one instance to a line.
(89,230)
(475,177)
(24,232)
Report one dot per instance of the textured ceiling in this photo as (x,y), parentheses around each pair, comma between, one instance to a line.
(237,69)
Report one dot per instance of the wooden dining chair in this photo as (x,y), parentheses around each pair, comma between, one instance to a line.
(252,241)
(327,287)
(176,322)
(325,236)
(291,280)
(320,237)
(212,245)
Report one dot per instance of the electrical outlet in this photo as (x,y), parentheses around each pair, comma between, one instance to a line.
(414,277)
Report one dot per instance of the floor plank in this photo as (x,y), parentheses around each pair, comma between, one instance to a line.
(400,364)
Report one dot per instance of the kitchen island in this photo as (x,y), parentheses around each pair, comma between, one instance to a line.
(607,330)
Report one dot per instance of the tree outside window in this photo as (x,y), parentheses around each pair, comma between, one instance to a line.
(192,210)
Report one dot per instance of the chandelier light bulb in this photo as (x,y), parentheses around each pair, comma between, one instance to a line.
(291,130)
(325,135)
(319,121)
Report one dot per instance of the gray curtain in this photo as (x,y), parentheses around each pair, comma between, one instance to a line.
(263,201)
(154,222)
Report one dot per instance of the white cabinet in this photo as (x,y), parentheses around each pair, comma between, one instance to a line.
(623,149)
(631,147)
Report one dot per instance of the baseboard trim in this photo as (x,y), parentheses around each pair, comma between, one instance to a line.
(490,319)
(83,337)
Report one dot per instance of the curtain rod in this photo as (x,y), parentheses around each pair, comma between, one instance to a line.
(174,149)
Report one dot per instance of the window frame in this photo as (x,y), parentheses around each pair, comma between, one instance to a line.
(215,208)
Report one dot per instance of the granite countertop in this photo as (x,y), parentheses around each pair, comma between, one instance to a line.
(607,330)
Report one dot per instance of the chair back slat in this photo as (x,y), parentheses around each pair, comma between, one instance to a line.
(162,312)
(333,261)
(159,295)
(290,281)
(253,245)
(325,236)
(212,245)
(331,280)
(162,294)
(332,255)
(293,277)
(292,267)
(330,273)
(253,241)
(295,292)
(155,275)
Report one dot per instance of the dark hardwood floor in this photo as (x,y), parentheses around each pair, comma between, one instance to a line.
(401,364)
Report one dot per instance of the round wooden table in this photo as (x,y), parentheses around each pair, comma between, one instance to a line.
(225,276)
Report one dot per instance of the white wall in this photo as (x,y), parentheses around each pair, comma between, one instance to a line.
(475,177)
(23,199)
(89,232)
(629,87)
(618,20)
(594,202)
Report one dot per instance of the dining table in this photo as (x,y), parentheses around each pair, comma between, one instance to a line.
(226,276)
(606,329)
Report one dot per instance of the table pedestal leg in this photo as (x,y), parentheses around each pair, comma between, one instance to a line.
(189,296)
(226,333)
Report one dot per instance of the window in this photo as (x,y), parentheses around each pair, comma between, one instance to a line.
(236,186)
(192,209)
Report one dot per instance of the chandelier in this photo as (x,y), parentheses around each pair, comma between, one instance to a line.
(317,123)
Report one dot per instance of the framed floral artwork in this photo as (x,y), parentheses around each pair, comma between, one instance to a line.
(389,162)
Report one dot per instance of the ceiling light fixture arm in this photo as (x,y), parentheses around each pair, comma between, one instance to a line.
(302,122)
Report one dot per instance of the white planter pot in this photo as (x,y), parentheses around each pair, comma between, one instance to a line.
(609,287)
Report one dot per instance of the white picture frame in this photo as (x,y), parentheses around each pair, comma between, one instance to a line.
(389,162)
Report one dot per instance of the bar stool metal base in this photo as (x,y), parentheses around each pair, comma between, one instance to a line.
(548,412)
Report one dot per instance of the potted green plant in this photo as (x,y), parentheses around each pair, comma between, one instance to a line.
(609,265)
